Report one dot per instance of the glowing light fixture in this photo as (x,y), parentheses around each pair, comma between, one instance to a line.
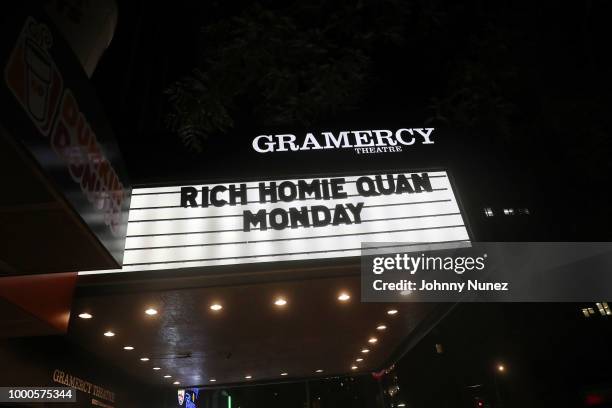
(109,333)
(151,312)
(343,297)
(216,307)
(85,315)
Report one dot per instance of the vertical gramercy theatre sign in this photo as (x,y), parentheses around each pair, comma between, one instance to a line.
(363,141)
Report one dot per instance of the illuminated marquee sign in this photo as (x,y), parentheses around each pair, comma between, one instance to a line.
(363,141)
(288,220)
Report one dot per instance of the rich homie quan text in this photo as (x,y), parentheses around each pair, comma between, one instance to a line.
(324,190)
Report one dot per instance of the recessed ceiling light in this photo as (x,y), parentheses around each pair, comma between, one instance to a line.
(284,374)
(144,358)
(391,311)
(167,376)
(151,312)
(319,371)
(157,368)
(109,334)
(280,302)
(85,316)
(354,367)
(359,359)
(176,382)
(372,340)
(343,297)
(128,348)
(365,350)
(216,307)
(213,380)
(248,377)
(381,327)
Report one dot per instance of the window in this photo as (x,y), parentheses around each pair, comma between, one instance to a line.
(603,308)
(488,211)
(508,211)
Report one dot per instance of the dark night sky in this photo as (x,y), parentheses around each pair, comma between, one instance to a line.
(521,89)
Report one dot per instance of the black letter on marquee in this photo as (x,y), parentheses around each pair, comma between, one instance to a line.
(316,220)
(356,210)
(300,216)
(313,188)
(337,185)
(204,196)
(188,196)
(371,191)
(381,186)
(325,189)
(264,191)
(241,192)
(249,218)
(403,186)
(421,182)
(213,196)
(340,216)
(292,191)
(283,221)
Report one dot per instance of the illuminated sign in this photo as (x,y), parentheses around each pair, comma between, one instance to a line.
(288,220)
(50,107)
(363,141)
(42,94)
